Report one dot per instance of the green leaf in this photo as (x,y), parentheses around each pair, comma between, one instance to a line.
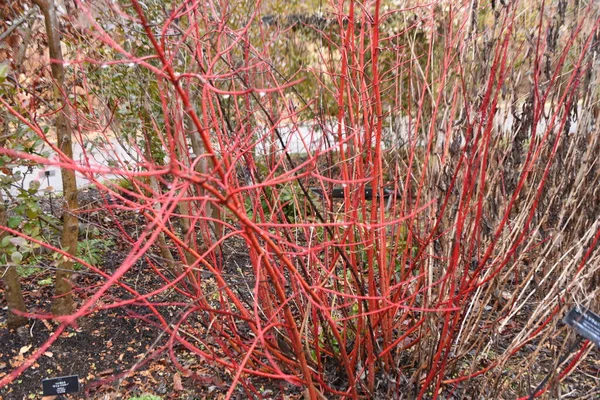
(34,186)
(31,213)
(27,271)
(3,71)
(5,241)
(19,241)
(16,257)
(47,281)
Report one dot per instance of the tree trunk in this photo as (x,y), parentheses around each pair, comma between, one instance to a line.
(162,242)
(10,277)
(63,302)
(12,286)
(210,210)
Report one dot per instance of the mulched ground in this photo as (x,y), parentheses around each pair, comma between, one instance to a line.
(112,351)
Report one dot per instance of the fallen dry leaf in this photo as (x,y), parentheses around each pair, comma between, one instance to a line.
(106,372)
(187,373)
(24,349)
(17,360)
(177,382)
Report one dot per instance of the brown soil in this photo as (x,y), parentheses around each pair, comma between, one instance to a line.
(115,351)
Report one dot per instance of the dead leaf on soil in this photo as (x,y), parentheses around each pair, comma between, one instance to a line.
(24,349)
(177,382)
(17,361)
(187,373)
(106,372)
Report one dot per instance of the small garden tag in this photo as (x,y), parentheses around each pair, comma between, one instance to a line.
(585,323)
(62,385)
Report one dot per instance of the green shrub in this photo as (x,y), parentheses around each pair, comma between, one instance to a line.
(146,396)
